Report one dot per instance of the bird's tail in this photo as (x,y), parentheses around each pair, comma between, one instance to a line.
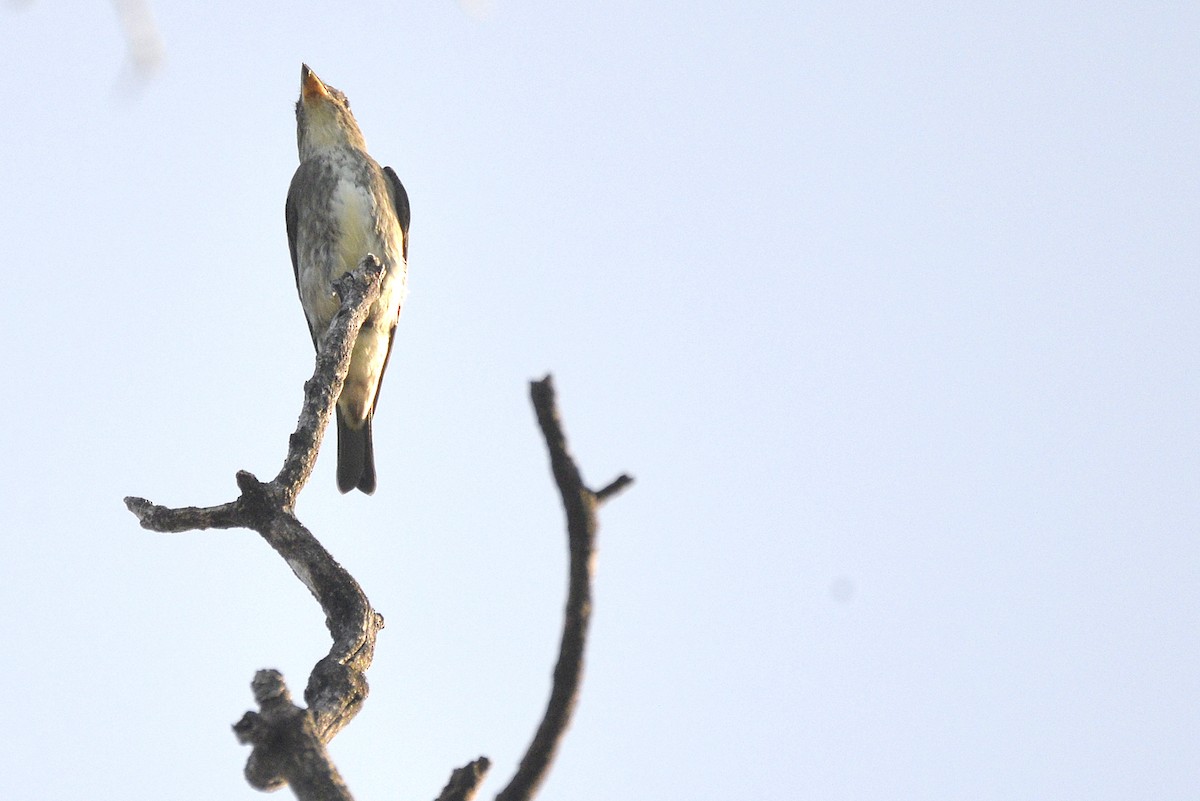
(356,457)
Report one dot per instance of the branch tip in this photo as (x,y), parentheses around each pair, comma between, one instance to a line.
(139,506)
(268,686)
(618,484)
(464,782)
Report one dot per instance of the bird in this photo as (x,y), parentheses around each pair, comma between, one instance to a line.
(341,205)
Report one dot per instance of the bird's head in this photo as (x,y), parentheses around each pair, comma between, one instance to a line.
(323,117)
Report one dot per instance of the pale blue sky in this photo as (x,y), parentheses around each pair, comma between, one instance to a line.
(890,308)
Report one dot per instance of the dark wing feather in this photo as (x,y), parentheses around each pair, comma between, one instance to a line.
(291,216)
(387,358)
(404,215)
(400,202)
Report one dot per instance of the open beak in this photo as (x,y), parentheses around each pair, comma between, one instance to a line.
(311,87)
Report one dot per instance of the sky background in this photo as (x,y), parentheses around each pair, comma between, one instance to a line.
(891,309)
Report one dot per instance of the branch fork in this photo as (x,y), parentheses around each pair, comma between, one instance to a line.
(288,741)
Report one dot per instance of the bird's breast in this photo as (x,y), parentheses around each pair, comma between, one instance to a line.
(354,213)
(344,214)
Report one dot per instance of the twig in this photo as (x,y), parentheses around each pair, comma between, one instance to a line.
(464,782)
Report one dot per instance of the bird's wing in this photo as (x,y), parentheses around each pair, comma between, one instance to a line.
(403,215)
(387,358)
(291,216)
(400,203)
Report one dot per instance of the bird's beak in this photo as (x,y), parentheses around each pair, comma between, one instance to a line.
(311,87)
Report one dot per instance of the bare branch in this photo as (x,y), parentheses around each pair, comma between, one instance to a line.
(287,749)
(288,740)
(464,782)
(614,488)
(580,504)
(189,518)
(321,392)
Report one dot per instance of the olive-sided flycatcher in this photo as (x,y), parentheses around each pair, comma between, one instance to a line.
(340,207)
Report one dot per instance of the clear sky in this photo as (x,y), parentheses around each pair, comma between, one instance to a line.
(890,308)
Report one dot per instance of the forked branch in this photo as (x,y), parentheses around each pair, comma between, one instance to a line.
(289,741)
(580,505)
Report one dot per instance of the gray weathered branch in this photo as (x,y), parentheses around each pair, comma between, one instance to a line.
(288,741)
(580,504)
